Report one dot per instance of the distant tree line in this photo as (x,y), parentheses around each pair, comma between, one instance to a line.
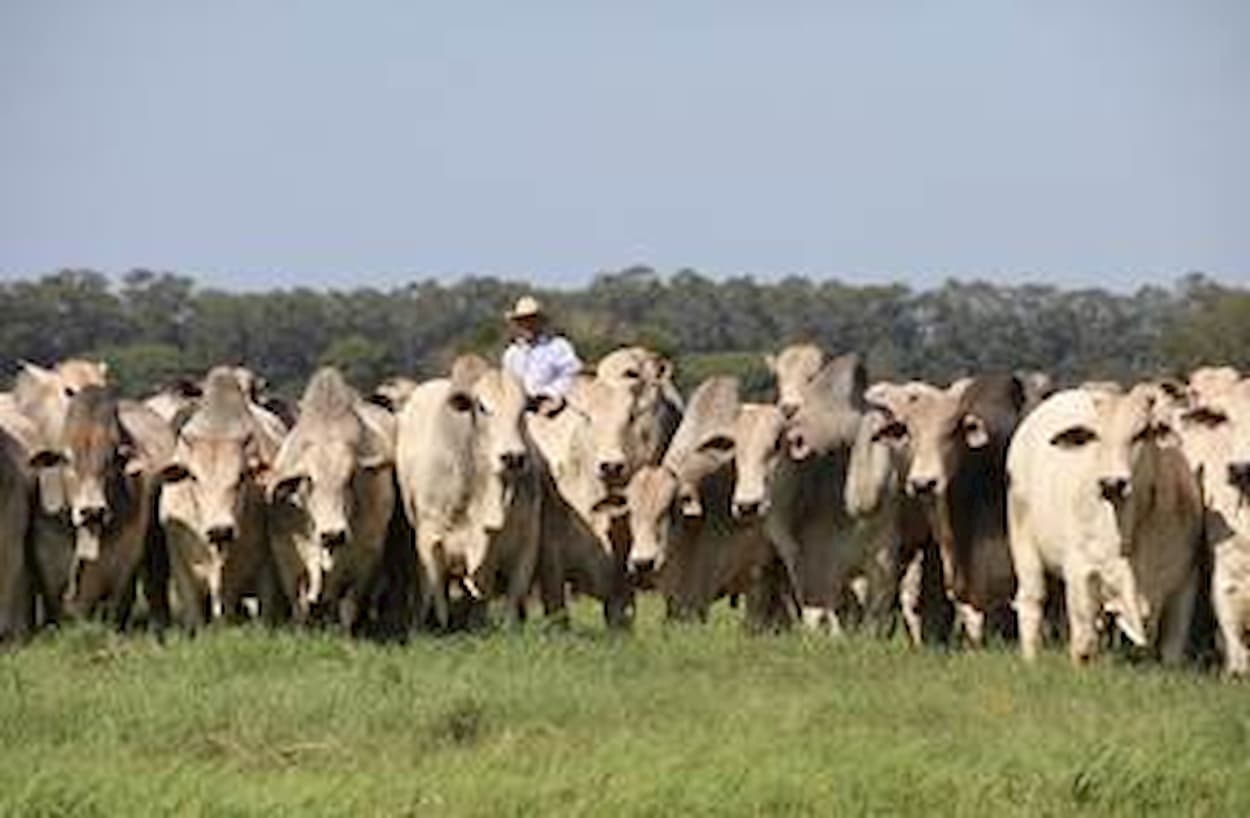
(152,327)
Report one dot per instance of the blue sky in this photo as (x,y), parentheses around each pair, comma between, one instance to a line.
(251,143)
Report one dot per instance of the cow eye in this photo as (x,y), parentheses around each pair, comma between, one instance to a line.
(632,374)
(1152,431)
(1074,438)
(1205,417)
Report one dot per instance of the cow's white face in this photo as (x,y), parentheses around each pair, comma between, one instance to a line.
(759,435)
(1129,426)
(938,436)
(795,367)
(652,498)
(319,480)
(218,472)
(500,415)
(1215,430)
(610,412)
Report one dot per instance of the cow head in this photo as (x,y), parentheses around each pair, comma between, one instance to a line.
(970,421)
(704,440)
(220,451)
(487,408)
(879,460)
(1215,430)
(652,497)
(794,368)
(759,435)
(823,412)
(319,466)
(100,467)
(609,412)
(43,395)
(1133,427)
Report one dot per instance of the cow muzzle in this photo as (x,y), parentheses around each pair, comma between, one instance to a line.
(749,509)
(333,539)
(1114,489)
(513,462)
(221,535)
(612,472)
(922,487)
(90,516)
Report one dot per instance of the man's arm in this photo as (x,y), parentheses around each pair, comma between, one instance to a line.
(565,365)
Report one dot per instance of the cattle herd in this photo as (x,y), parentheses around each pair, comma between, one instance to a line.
(1098,514)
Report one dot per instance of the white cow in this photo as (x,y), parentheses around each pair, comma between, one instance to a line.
(1215,430)
(1101,496)
(333,492)
(471,486)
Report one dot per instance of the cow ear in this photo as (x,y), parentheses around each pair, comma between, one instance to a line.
(691,507)
(254,459)
(38,372)
(374,461)
(132,463)
(46,459)
(174,473)
(717,444)
(770,361)
(974,431)
(285,489)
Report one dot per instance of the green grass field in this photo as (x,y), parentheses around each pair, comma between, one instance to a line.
(668,721)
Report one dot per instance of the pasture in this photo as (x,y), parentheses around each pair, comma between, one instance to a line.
(671,720)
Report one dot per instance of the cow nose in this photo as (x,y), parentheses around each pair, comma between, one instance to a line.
(333,539)
(611,470)
(220,534)
(644,565)
(92,515)
(1113,489)
(1239,474)
(513,461)
(746,508)
(788,409)
(924,486)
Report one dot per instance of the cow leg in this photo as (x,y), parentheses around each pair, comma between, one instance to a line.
(1230,601)
(1083,612)
(551,586)
(155,575)
(436,592)
(910,590)
(972,619)
(618,607)
(1177,617)
(1030,601)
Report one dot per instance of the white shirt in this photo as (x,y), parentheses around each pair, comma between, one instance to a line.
(545,366)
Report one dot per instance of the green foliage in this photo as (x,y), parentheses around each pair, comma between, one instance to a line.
(416,329)
(686,720)
(1215,327)
(135,368)
(749,367)
(362,361)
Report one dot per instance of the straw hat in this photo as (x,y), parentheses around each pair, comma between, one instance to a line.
(527,306)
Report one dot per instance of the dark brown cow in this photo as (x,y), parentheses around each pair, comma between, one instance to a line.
(959,439)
